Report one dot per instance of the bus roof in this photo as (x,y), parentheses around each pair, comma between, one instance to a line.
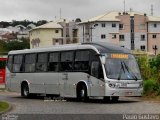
(105,47)
(100,47)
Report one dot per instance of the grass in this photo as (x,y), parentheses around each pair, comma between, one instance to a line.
(3,106)
(2,89)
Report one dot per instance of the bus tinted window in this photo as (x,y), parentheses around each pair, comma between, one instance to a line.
(67,56)
(17,63)
(42,62)
(96,67)
(53,62)
(82,56)
(9,64)
(54,57)
(30,60)
(67,61)
(81,60)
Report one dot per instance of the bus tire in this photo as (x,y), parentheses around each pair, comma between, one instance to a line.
(25,90)
(106,99)
(115,98)
(82,93)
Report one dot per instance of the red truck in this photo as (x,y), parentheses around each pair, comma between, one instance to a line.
(2,70)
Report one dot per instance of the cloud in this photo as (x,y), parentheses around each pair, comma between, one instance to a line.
(71,9)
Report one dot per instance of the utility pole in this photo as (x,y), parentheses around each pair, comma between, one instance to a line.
(124,5)
(60,13)
(152,9)
(155,49)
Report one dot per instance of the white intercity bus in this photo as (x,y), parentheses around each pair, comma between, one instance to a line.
(76,71)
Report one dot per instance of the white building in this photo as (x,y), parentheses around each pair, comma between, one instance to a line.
(133,30)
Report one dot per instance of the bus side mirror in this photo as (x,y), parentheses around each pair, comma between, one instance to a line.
(103,60)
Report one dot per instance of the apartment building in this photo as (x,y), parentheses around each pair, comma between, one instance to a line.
(133,30)
(54,33)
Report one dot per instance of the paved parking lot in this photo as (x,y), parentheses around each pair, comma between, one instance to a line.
(37,105)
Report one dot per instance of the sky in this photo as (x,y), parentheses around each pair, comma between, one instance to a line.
(49,10)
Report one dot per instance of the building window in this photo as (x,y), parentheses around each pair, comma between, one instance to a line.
(103,36)
(56,31)
(113,36)
(154,36)
(103,25)
(121,37)
(143,47)
(123,46)
(142,37)
(142,26)
(120,26)
(113,25)
(155,25)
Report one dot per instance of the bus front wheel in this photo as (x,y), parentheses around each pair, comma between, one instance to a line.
(25,90)
(82,93)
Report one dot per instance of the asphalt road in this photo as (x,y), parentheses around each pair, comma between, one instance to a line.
(37,105)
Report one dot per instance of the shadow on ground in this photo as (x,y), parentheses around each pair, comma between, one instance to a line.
(98,101)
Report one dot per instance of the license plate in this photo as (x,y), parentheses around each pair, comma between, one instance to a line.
(132,85)
(123,85)
(128,93)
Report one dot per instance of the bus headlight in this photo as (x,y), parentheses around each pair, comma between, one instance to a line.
(140,84)
(112,85)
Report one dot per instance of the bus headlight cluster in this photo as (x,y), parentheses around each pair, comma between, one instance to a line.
(141,84)
(112,85)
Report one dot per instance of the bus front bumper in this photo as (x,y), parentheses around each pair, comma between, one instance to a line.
(124,92)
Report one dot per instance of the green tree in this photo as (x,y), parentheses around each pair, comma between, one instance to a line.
(3,47)
(18,45)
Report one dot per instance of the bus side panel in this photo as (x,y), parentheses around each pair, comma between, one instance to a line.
(36,81)
(51,81)
(8,79)
(13,81)
(68,83)
(97,87)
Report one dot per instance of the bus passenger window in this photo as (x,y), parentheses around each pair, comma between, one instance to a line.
(81,61)
(66,61)
(17,63)
(53,62)
(30,60)
(41,65)
(9,63)
(94,68)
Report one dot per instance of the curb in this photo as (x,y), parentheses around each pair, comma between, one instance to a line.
(8,109)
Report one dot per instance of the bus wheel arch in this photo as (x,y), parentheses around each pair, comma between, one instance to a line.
(25,89)
(81,91)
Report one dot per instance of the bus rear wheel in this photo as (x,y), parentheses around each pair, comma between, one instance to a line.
(25,90)
(115,98)
(82,93)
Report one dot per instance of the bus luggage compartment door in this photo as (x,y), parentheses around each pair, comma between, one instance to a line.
(63,77)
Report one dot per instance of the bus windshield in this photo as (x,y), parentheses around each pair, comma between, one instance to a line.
(122,69)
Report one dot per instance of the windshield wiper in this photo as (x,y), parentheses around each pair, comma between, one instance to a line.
(122,68)
(133,75)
